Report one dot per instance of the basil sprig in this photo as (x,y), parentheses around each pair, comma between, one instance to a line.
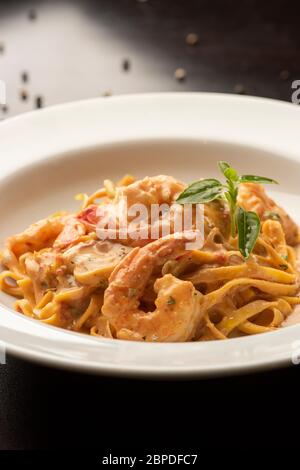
(256,179)
(248,225)
(202,191)
(245,224)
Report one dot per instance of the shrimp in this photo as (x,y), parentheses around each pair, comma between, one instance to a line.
(71,233)
(36,237)
(178,303)
(150,190)
(272,232)
(252,197)
(59,232)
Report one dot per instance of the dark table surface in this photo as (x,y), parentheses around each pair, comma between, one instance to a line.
(71,50)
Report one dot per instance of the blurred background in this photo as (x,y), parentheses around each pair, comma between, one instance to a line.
(59,50)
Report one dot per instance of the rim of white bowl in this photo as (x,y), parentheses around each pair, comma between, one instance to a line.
(243,120)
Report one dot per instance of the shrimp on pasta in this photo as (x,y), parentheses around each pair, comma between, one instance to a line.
(177,312)
(157,289)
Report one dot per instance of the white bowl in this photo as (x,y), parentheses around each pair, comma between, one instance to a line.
(50,155)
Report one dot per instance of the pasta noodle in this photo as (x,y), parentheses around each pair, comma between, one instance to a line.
(62,274)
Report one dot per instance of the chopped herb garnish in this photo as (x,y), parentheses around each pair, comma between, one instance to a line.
(131,292)
(283,266)
(171,300)
(244,224)
(75,311)
(272,215)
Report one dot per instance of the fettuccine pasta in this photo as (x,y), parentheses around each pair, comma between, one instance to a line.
(61,273)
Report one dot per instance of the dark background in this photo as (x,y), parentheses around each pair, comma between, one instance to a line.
(74,50)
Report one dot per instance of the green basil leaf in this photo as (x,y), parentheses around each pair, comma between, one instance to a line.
(256,179)
(231,174)
(223,166)
(229,198)
(248,225)
(272,215)
(228,171)
(202,191)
